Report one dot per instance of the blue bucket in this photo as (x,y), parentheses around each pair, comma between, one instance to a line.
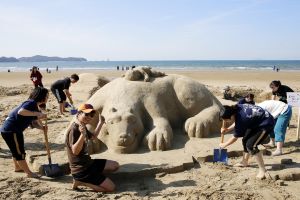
(73,111)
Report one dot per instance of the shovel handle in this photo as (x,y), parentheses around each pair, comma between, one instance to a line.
(222,137)
(47,143)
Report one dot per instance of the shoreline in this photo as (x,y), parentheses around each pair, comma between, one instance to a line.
(209,77)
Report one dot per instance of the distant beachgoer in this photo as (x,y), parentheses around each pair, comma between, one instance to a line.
(249,98)
(252,123)
(60,89)
(227,93)
(282,113)
(277,69)
(17,121)
(36,77)
(274,68)
(133,66)
(85,170)
(56,67)
(47,70)
(8,70)
(122,68)
(118,67)
(279,90)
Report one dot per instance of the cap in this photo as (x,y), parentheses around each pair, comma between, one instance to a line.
(86,108)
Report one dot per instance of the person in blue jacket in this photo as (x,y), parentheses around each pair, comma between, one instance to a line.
(254,125)
(26,114)
(249,98)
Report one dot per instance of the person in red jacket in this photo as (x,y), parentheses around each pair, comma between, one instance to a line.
(36,77)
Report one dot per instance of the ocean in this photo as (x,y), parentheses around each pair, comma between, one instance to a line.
(163,65)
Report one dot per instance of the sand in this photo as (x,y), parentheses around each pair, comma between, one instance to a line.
(207,181)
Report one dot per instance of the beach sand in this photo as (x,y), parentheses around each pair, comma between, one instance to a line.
(210,181)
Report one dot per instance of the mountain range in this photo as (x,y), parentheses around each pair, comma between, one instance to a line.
(39,58)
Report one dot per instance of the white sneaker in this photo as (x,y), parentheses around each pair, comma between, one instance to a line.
(269,145)
(277,153)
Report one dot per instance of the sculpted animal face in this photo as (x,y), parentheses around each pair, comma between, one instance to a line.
(133,75)
(124,131)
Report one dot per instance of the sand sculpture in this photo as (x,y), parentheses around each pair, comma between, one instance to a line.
(137,111)
(142,73)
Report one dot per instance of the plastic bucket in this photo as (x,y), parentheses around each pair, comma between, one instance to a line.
(73,111)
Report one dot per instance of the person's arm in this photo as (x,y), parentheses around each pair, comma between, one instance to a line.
(69,95)
(273,97)
(99,125)
(77,147)
(228,142)
(38,124)
(28,113)
(225,130)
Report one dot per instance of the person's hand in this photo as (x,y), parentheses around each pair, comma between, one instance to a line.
(222,145)
(82,129)
(41,115)
(224,130)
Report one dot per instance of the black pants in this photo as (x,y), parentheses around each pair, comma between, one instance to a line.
(15,143)
(59,95)
(255,137)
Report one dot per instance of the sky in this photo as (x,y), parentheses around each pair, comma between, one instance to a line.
(151,29)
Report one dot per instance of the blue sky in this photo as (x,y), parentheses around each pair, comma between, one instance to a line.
(151,29)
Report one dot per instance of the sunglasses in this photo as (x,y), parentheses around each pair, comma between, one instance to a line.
(91,114)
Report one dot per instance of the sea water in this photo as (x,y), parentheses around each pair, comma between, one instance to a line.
(163,65)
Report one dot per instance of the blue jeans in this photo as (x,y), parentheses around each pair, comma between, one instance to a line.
(281,125)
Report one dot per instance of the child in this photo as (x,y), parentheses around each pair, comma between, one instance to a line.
(249,98)
(253,124)
(86,171)
(17,121)
(60,89)
(282,113)
(36,77)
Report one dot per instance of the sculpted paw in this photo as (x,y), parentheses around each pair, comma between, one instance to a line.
(196,127)
(159,139)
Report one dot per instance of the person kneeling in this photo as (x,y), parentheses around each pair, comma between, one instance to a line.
(85,170)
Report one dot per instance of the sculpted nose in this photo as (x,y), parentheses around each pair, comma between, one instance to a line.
(123,135)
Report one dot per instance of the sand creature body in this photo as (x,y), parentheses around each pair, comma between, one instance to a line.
(137,111)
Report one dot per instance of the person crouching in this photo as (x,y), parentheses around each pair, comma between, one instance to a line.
(86,171)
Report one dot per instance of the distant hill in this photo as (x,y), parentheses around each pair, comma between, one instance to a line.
(8,59)
(39,58)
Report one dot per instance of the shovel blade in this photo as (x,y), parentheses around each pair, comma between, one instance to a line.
(52,170)
(220,155)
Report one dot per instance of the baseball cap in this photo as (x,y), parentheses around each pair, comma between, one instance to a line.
(86,108)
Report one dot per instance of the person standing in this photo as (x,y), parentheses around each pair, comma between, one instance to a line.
(60,89)
(282,113)
(85,170)
(254,125)
(36,77)
(18,120)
